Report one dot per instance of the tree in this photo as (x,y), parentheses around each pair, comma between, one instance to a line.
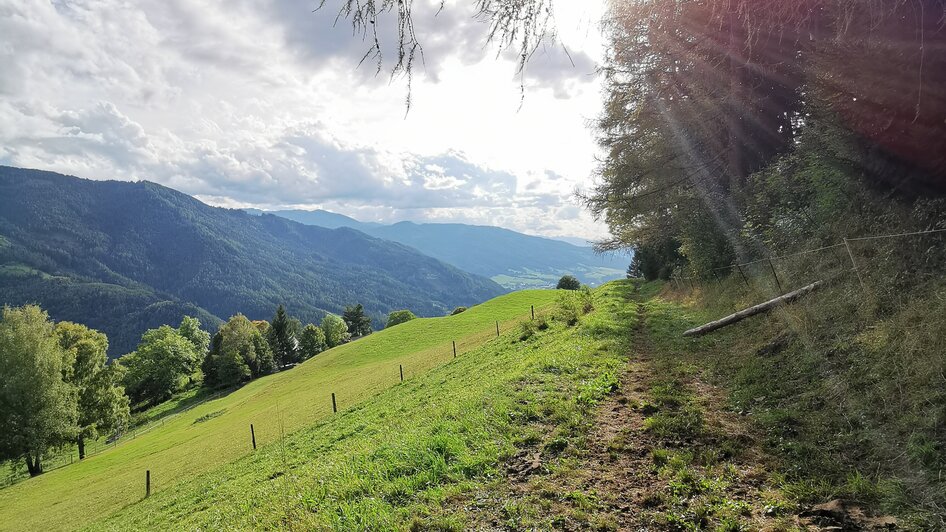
(568,282)
(190,329)
(163,364)
(238,353)
(312,341)
(335,329)
(102,403)
(358,323)
(37,407)
(399,316)
(282,338)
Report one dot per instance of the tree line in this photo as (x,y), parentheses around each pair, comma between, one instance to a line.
(58,388)
(736,129)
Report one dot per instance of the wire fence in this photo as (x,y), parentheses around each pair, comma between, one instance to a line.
(781,273)
(70,453)
(451,350)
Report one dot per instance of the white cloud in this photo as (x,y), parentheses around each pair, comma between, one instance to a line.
(259,103)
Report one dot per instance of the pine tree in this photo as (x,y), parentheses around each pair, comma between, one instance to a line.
(282,339)
(358,323)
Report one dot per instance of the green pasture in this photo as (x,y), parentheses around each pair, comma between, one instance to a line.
(217,432)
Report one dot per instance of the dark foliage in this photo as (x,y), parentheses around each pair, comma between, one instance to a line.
(358,323)
(398,317)
(283,338)
(568,282)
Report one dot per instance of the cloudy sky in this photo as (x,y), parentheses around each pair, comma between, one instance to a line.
(261,103)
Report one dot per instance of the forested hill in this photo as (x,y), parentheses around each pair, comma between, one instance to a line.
(513,259)
(122,257)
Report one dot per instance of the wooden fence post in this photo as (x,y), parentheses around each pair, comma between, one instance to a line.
(147,483)
(253,436)
(777,283)
(334,405)
(497,329)
(744,278)
(401,366)
(454,349)
(853,263)
(532,307)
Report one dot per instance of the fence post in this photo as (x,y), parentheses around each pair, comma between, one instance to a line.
(853,263)
(334,406)
(744,278)
(147,483)
(532,307)
(454,349)
(497,329)
(401,366)
(777,283)
(253,436)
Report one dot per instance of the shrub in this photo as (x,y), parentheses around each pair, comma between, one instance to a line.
(458,310)
(568,282)
(399,316)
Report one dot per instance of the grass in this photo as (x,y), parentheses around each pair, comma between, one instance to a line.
(181,449)
(848,395)
(401,459)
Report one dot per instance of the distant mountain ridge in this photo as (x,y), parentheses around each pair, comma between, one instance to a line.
(513,259)
(122,257)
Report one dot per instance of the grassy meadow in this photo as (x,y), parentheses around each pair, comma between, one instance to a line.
(195,443)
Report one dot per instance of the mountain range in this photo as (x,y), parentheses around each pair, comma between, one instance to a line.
(512,259)
(122,257)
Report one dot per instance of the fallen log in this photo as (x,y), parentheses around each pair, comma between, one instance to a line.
(752,311)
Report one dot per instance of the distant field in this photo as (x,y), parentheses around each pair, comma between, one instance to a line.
(526,279)
(217,432)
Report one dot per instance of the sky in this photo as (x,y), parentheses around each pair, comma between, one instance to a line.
(261,103)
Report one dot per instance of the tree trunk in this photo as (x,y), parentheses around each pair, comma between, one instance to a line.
(33,464)
(752,311)
(80,442)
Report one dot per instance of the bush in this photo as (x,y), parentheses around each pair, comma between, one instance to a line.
(528,328)
(400,316)
(571,305)
(568,282)
(458,310)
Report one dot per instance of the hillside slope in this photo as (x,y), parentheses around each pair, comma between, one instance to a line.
(512,259)
(217,432)
(122,257)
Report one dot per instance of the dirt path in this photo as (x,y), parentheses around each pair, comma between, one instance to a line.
(662,453)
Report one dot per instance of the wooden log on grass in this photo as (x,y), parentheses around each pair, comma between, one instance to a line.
(752,311)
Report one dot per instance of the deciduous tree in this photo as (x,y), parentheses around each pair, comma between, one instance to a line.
(312,342)
(399,316)
(238,353)
(568,282)
(164,363)
(102,403)
(38,409)
(335,329)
